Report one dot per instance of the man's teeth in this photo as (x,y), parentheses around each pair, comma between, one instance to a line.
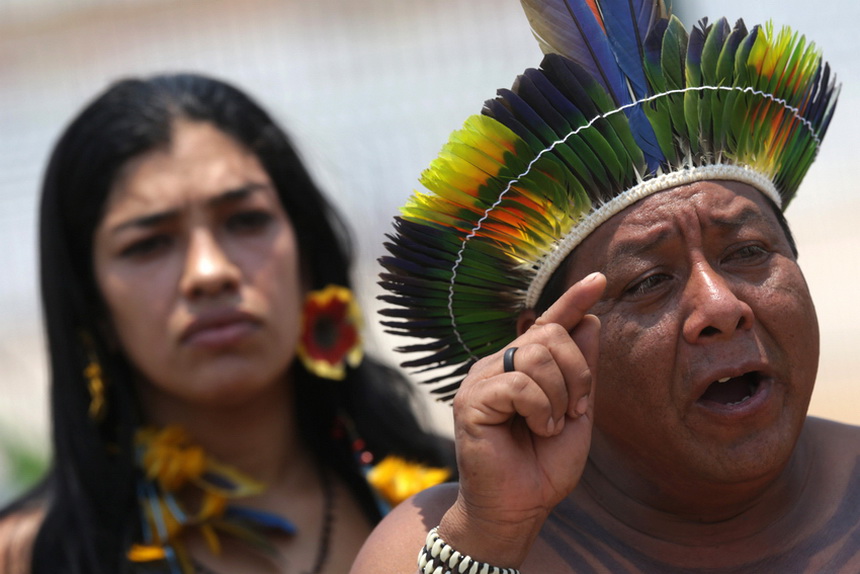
(739,402)
(751,391)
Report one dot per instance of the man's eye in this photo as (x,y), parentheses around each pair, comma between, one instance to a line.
(146,246)
(249,220)
(747,252)
(647,285)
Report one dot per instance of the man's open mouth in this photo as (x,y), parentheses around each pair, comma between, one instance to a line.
(732,390)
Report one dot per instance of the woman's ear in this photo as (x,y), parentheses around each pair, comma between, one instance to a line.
(525,320)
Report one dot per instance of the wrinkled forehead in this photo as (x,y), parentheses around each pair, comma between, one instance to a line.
(705,204)
(708,202)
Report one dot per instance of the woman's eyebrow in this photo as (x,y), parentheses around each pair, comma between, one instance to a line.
(237,194)
(146,221)
(154,219)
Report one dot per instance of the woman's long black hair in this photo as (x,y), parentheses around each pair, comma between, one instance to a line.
(92,512)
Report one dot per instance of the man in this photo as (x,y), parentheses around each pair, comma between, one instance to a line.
(620,210)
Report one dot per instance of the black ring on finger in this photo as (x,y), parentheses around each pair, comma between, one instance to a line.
(508,359)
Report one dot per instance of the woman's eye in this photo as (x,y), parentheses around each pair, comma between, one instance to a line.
(246,221)
(147,246)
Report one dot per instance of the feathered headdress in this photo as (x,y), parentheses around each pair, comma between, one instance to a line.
(626,103)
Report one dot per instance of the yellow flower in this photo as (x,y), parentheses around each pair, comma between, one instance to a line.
(397,479)
(170,458)
(171,462)
(214,505)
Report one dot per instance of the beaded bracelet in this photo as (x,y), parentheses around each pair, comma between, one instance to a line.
(437,557)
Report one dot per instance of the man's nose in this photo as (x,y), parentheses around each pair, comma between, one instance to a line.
(208,270)
(714,309)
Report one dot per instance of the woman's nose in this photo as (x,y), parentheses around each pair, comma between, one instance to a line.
(715,310)
(208,269)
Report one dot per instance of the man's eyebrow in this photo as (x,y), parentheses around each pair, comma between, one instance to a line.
(646,243)
(746,216)
(638,246)
(155,219)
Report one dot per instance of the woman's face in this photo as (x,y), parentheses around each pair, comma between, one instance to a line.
(198,266)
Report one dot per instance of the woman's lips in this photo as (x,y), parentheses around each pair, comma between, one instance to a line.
(219,330)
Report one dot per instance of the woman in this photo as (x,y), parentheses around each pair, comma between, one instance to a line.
(211,412)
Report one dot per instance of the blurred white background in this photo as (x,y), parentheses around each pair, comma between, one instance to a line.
(370,90)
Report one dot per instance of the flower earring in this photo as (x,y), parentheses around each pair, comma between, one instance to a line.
(330,338)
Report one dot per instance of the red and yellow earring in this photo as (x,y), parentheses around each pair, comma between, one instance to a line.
(331,332)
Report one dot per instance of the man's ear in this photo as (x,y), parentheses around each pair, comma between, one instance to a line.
(525,320)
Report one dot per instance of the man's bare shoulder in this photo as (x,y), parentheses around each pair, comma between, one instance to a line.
(822,528)
(836,448)
(394,544)
(835,492)
(834,426)
(834,437)
(17,534)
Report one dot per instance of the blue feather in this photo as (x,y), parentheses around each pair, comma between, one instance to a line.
(653,55)
(529,117)
(645,137)
(547,100)
(627,25)
(570,28)
(260,518)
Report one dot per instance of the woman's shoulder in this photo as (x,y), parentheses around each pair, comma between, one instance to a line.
(18,531)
